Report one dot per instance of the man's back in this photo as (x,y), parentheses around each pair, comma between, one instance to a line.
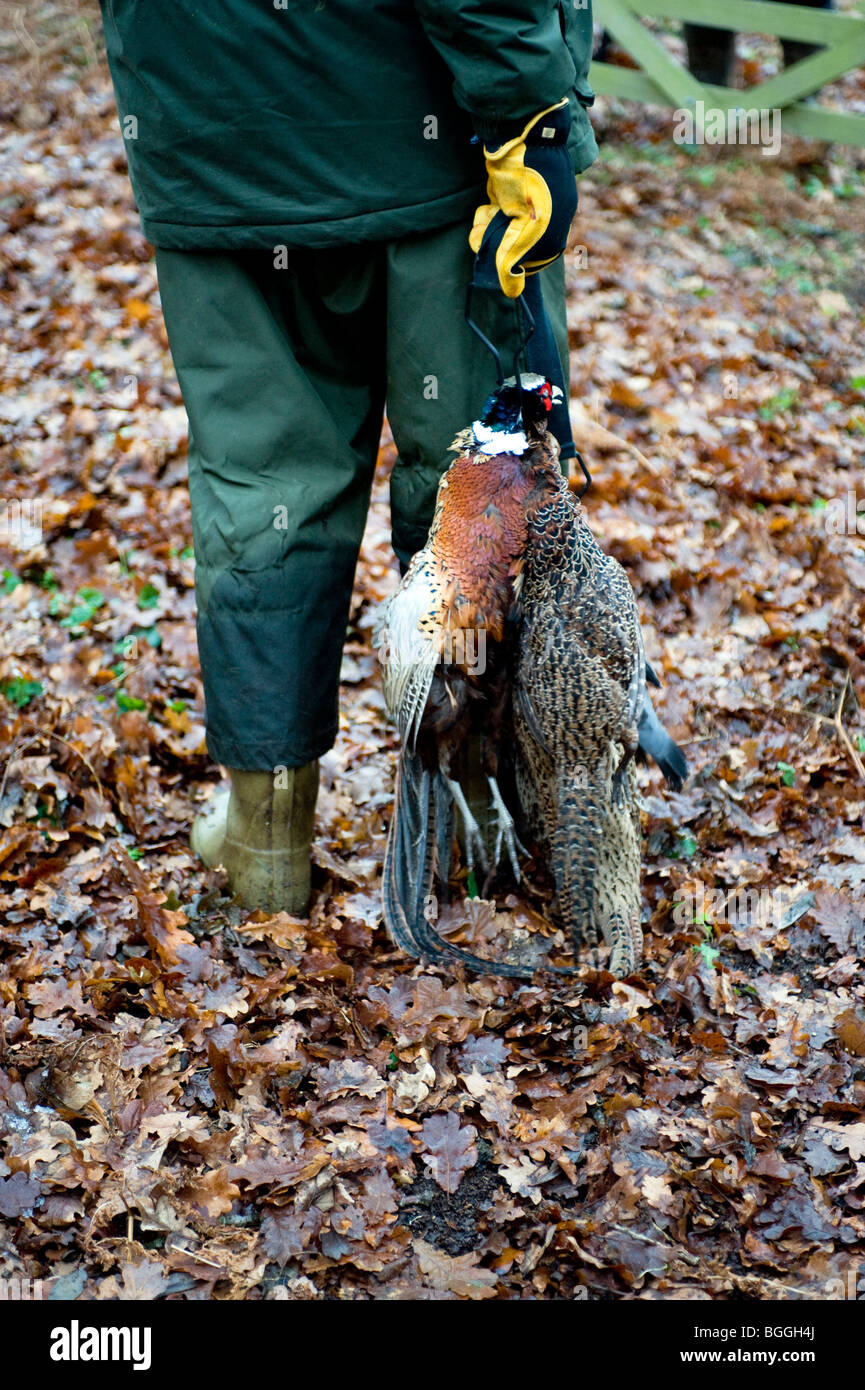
(320,122)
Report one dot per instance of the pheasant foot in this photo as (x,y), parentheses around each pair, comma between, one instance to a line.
(474,840)
(505,830)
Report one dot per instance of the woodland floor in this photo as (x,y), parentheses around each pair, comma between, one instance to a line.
(198,1102)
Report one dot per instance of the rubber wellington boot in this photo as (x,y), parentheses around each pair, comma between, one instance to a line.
(260,829)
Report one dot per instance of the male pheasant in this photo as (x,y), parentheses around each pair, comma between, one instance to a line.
(444,641)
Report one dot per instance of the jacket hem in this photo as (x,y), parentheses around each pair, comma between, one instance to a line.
(372,226)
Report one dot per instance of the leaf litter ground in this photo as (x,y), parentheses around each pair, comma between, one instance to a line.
(201,1102)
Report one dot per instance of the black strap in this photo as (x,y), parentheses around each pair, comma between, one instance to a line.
(537,351)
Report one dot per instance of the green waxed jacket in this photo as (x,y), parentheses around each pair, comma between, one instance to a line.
(255,123)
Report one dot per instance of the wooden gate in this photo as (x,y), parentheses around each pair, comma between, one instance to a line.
(662,81)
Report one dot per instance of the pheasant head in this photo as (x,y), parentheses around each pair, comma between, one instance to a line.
(513,417)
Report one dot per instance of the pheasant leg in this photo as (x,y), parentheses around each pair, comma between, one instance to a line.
(474,840)
(505,830)
(629,747)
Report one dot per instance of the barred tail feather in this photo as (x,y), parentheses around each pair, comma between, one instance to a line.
(417,850)
(595,856)
(575,845)
(407,872)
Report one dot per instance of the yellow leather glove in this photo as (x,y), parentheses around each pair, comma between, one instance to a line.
(532,199)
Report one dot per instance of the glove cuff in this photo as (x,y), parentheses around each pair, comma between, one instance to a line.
(494,134)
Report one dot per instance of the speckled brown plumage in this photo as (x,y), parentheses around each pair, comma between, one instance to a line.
(578,692)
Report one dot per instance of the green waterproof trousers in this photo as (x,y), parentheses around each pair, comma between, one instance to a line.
(286,361)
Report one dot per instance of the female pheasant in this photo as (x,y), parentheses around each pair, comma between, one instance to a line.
(579,699)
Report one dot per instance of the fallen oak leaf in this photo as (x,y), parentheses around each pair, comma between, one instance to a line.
(380,1200)
(280,928)
(449,1149)
(18,1195)
(412,1088)
(285,1233)
(392,1138)
(349,873)
(493,1093)
(522,1178)
(432,1003)
(839,919)
(659,1194)
(140,1282)
(352,1074)
(459,1274)
(211,1193)
(839,1136)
